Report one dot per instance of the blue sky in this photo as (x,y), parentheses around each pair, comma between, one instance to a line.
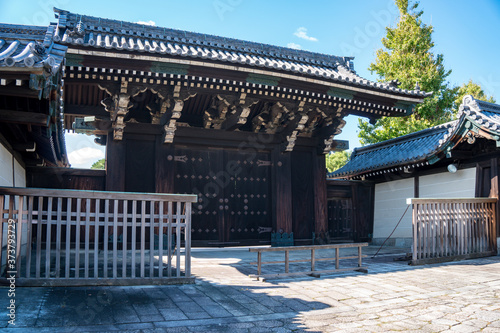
(465,32)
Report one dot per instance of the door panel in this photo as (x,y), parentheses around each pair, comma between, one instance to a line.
(340,224)
(247,202)
(194,175)
(233,194)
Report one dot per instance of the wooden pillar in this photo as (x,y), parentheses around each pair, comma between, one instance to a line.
(115,164)
(494,193)
(164,167)
(320,197)
(282,191)
(416,187)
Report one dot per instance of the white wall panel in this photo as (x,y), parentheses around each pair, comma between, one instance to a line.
(5,167)
(390,204)
(461,184)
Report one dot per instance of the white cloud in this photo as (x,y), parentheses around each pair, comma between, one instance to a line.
(84,157)
(152,23)
(294,46)
(302,33)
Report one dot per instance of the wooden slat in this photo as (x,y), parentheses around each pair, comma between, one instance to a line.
(151,237)
(124,239)
(67,256)
(98,194)
(178,238)
(96,237)
(450,228)
(160,240)
(29,235)
(134,230)
(313,259)
(87,237)
(58,237)
(39,238)
(178,217)
(48,240)
(360,256)
(19,233)
(441,200)
(77,236)
(187,236)
(143,236)
(105,238)
(287,261)
(169,237)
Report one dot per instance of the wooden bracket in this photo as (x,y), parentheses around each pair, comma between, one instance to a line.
(239,113)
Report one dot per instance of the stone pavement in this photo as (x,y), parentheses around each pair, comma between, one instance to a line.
(454,297)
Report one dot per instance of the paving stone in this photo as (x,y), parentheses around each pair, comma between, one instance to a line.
(173,314)
(456,297)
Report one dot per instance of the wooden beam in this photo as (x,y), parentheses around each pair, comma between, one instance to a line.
(21,117)
(85,110)
(25,147)
(22,91)
(461,154)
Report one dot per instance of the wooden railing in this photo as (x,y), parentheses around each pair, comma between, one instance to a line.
(453,229)
(309,270)
(69,237)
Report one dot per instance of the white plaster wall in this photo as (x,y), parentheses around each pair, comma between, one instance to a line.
(390,204)
(461,184)
(390,198)
(5,167)
(11,175)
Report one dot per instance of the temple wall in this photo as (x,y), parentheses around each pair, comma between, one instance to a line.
(390,204)
(390,201)
(449,185)
(11,172)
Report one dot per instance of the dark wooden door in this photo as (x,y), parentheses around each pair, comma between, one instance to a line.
(340,219)
(247,205)
(233,194)
(140,166)
(194,174)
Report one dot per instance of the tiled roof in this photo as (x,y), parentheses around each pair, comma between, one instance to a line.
(30,47)
(88,31)
(422,147)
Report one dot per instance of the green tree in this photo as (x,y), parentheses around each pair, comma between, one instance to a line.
(470,88)
(337,160)
(100,164)
(407,57)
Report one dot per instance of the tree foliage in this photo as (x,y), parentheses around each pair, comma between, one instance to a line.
(337,160)
(100,164)
(407,57)
(470,88)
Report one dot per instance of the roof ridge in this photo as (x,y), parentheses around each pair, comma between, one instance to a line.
(326,59)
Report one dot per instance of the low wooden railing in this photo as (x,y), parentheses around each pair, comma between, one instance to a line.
(69,237)
(453,229)
(313,259)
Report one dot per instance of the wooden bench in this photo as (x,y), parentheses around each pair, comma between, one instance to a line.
(312,260)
